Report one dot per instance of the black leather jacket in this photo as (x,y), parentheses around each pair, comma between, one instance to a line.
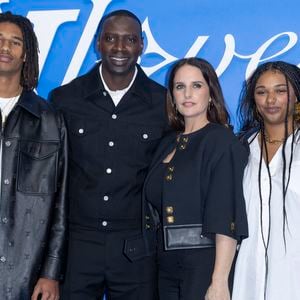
(32,203)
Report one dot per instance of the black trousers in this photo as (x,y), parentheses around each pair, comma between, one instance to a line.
(184,274)
(96,265)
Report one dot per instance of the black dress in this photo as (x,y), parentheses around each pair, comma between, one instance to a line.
(205,187)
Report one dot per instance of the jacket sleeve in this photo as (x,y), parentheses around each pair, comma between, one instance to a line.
(52,267)
(225,211)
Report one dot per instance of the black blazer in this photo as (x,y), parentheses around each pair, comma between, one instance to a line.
(203,181)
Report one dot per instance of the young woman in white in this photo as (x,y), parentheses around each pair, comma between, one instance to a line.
(268,264)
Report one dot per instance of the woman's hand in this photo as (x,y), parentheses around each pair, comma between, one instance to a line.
(218,291)
(225,250)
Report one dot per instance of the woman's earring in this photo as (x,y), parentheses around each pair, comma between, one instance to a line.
(175,107)
(297,111)
(210,104)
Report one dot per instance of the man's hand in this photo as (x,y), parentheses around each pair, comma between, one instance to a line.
(47,288)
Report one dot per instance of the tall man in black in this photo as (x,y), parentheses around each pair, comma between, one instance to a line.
(115,115)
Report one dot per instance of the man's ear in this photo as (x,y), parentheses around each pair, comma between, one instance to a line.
(142,46)
(98,43)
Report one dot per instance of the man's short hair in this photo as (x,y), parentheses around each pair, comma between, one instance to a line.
(118,13)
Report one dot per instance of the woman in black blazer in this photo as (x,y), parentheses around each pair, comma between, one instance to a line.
(195,184)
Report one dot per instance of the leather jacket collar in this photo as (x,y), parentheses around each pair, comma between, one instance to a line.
(26,102)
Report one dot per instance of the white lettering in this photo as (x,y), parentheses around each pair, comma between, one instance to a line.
(153,47)
(45,31)
(256,57)
(228,54)
(196,47)
(86,39)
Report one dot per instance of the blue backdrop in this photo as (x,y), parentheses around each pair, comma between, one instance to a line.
(235,36)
